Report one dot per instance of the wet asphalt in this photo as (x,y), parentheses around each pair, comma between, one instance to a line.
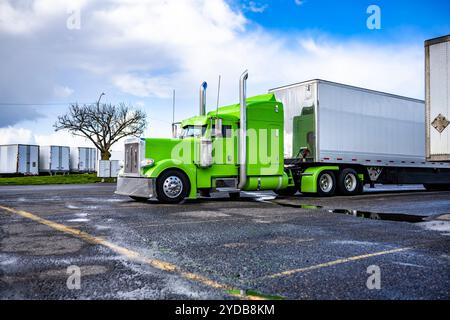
(291,248)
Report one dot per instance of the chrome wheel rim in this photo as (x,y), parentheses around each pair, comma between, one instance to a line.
(326,183)
(172,187)
(350,182)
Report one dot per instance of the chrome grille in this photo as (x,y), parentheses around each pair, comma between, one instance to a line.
(132,158)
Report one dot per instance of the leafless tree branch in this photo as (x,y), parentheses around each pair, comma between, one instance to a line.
(103,124)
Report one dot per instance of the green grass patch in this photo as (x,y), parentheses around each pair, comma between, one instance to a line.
(57,179)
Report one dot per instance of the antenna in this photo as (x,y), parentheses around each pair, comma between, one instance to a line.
(218,96)
(173,106)
(174,127)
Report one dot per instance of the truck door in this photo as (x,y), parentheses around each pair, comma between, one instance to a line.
(225,145)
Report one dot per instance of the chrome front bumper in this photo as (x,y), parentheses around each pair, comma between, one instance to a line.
(136,187)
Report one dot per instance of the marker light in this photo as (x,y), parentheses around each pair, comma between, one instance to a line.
(147,163)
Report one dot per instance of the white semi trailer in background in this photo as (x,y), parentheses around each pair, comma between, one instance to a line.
(19,159)
(54,159)
(83,159)
(437,71)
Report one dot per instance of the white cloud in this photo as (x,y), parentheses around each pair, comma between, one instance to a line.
(14,136)
(142,87)
(62,91)
(299,2)
(21,17)
(146,48)
(255,7)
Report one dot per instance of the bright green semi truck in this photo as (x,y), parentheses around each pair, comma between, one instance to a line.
(315,137)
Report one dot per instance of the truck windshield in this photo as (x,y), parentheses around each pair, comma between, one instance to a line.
(193,131)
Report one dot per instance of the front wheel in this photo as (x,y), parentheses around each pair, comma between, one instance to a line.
(172,186)
(326,184)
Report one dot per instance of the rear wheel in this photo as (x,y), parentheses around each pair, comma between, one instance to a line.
(172,186)
(326,184)
(348,182)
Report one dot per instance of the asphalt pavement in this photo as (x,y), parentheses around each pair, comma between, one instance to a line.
(214,248)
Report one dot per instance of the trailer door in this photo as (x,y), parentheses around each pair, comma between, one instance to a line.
(82,159)
(28,159)
(65,158)
(54,158)
(34,160)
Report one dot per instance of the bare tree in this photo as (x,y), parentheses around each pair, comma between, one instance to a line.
(103,124)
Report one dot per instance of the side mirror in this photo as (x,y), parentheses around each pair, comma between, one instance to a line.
(218,127)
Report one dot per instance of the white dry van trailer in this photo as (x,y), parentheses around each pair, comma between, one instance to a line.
(379,136)
(108,168)
(83,159)
(437,83)
(54,159)
(19,159)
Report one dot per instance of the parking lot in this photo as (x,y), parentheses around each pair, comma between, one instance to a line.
(256,247)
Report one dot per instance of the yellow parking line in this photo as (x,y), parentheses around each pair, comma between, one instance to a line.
(335,262)
(130,254)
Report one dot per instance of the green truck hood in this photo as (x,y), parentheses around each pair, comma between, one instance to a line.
(164,149)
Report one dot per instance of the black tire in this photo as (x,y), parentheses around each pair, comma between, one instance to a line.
(289,191)
(348,183)
(328,190)
(139,199)
(235,195)
(166,187)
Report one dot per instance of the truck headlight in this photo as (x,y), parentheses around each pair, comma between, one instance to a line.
(147,163)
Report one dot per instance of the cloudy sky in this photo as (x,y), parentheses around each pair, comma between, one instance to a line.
(53,53)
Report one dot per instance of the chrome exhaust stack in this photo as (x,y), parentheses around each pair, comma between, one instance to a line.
(203,99)
(243,130)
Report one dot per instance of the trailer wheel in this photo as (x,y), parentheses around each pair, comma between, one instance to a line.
(172,186)
(348,182)
(326,184)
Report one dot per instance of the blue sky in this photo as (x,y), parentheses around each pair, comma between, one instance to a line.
(346,18)
(138,51)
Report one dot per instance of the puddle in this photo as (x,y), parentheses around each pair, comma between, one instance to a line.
(381,216)
(81,215)
(79,220)
(401,217)
(203,214)
(437,225)
(99,227)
